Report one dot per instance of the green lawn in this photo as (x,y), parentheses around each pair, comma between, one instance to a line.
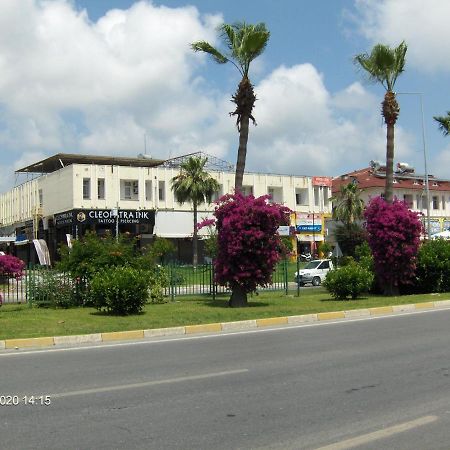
(19,321)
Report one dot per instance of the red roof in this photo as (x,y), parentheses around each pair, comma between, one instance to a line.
(368,178)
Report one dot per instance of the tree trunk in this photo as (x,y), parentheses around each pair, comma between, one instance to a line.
(390,290)
(238,297)
(195,239)
(242,153)
(389,189)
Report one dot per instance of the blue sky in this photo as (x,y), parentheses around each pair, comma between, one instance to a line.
(103,77)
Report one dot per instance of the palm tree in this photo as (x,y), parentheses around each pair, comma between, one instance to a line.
(244,43)
(384,65)
(444,123)
(194,184)
(348,206)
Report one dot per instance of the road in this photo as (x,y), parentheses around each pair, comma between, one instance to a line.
(366,384)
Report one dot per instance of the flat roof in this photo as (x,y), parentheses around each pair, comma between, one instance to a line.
(61,160)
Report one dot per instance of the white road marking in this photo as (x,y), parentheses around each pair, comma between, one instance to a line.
(380,434)
(121,387)
(166,339)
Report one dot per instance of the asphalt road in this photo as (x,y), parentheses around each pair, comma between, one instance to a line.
(369,384)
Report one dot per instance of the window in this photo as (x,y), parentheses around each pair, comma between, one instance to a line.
(129,189)
(325,265)
(443,203)
(276,194)
(418,206)
(101,189)
(435,202)
(316,196)
(86,188)
(326,196)
(148,190)
(408,199)
(247,190)
(217,194)
(41,198)
(301,196)
(161,190)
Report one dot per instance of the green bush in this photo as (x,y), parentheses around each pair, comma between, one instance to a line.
(52,289)
(348,281)
(433,266)
(120,290)
(93,253)
(158,279)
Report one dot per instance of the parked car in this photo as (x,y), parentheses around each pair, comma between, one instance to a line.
(314,272)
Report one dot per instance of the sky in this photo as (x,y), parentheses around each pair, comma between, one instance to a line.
(118,78)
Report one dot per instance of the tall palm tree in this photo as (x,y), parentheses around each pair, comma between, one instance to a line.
(244,43)
(444,123)
(384,65)
(348,206)
(193,184)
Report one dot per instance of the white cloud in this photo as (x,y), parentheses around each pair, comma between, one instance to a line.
(423,25)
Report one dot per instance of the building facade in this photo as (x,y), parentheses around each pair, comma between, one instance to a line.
(71,194)
(409,187)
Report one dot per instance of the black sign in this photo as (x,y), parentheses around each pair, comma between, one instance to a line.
(104,216)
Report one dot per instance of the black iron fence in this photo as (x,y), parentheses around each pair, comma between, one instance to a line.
(39,282)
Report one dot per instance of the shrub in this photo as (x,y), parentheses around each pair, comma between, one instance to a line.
(11,266)
(92,253)
(51,289)
(120,290)
(433,266)
(348,281)
(394,238)
(158,279)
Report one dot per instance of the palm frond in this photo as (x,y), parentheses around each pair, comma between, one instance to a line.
(444,123)
(203,46)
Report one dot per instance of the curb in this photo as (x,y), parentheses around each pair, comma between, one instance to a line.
(241,325)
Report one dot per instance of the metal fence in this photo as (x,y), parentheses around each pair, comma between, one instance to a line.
(183,280)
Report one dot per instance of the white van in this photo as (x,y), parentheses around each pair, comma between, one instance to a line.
(314,272)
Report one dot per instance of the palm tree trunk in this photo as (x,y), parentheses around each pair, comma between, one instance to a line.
(242,153)
(195,238)
(389,189)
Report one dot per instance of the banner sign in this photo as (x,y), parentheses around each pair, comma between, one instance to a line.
(104,216)
(308,226)
(322,181)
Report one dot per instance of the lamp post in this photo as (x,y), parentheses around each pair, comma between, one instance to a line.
(427,185)
(115,213)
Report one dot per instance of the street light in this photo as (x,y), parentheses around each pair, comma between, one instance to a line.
(427,186)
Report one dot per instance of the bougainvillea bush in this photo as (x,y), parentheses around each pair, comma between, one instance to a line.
(394,238)
(11,266)
(248,243)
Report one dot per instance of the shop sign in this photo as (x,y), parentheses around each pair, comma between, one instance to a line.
(104,216)
(308,226)
(322,181)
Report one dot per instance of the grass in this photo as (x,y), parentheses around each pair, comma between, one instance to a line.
(20,321)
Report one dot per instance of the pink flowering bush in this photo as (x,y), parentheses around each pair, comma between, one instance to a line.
(394,238)
(11,267)
(248,243)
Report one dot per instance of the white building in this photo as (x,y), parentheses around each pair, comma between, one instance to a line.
(70,194)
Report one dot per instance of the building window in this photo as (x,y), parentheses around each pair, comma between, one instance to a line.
(408,199)
(161,190)
(41,198)
(101,189)
(217,194)
(148,190)
(316,196)
(418,206)
(276,194)
(326,196)
(443,203)
(247,190)
(435,202)
(86,188)
(301,197)
(129,189)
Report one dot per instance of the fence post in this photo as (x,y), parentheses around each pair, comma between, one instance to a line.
(213,281)
(172,287)
(296,278)
(286,281)
(29,286)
